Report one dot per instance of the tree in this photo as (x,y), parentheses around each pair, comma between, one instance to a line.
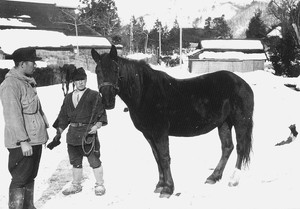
(154,35)
(256,28)
(286,12)
(101,15)
(140,34)
(217,28)
(172,40)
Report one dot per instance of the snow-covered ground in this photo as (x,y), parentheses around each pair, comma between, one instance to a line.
(271,180)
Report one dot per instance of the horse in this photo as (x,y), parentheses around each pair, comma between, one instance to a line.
(165,59)
(161,106)
(66,72)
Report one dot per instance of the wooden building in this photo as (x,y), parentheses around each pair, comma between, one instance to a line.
(232,55)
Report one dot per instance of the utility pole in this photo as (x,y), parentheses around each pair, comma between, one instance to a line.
(180,45)
(159,40)
(131,37)
(76,30)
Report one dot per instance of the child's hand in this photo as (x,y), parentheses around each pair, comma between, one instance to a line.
(93,130)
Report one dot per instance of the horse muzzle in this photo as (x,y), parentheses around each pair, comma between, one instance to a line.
(109,104)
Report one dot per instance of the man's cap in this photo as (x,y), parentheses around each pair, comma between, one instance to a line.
(24,54)
(79,74)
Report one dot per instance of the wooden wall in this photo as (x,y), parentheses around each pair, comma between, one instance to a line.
(208,66)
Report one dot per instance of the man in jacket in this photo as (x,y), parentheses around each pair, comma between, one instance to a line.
(25,127)
(83,112)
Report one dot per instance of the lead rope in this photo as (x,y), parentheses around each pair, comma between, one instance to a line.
(84,141)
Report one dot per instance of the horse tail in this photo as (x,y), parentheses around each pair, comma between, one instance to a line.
(244,127)
(247,144)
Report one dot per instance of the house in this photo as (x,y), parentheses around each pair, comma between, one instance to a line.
(24,24)
(236,55)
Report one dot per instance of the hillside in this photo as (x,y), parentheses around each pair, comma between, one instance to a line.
(239,22)
(237,15)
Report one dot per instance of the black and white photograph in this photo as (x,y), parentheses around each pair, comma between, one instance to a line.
(178,104)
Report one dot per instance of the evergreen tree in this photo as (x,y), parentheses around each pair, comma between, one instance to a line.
(173,38)
(256,28)
(154,35)
(139,34)
(217,28)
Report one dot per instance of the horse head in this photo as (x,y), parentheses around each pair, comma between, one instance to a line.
(107,71)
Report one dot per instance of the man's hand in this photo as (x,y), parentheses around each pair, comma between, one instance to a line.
(26,148)
(55,142)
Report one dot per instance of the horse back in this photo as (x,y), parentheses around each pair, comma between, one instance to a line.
(196,105)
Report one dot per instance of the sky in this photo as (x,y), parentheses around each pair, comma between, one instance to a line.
(164,10)
(167,10)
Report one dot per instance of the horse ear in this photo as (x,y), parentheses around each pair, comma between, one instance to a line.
(95,55)
(113,53)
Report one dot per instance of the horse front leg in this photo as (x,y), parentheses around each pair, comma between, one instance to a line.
(160,149)
(162,144)
(160,184)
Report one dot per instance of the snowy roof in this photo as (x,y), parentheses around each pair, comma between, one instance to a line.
(12,39)
(15,22)
(233,49)
(59,3)
(89,41)
(10,63)
(38,14)
(231,44)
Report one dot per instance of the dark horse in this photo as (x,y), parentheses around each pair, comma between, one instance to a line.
(161,106)
(66,72)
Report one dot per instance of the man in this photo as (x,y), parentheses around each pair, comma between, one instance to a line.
(83,112)
(25,127)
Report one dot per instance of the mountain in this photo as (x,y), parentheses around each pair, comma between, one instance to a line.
(237,15)
(240,21)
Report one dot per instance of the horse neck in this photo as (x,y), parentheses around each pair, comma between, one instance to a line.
(131,79)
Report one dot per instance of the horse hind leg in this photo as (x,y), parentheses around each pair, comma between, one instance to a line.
(227,147)
(243,131)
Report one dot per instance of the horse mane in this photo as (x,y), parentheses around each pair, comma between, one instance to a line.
(132,66)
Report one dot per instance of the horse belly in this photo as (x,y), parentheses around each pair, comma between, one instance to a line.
(190,129)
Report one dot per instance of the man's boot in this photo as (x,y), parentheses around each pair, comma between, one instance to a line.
(16,198)
(99,187)
(76,183)
(29,194)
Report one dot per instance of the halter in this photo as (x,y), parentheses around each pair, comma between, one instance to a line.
(115,85)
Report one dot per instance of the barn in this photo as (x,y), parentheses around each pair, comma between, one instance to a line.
(235,55)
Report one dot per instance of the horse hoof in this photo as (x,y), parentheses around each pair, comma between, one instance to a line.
(233,184)
(210,181)
(158,190)
(164,195)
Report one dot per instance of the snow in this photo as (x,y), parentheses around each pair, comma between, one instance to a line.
(271,181)
(232,44)
(10,64)
(89,41)
(12,39)
(15,22)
